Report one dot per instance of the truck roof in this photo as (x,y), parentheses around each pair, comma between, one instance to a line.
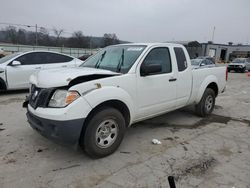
(152,44)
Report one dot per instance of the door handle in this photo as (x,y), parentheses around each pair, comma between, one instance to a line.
(64,66)
(172,79)
(38,67)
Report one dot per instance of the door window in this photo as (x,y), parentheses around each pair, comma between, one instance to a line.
(31,59)
(160,56)
(181,59)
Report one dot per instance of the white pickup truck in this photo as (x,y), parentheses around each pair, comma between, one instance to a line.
(91,106)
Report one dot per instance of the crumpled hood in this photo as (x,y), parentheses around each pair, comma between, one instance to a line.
(63,76)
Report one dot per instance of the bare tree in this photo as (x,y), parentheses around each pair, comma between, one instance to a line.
(43,37)
(110,39)
(78,40)
(12,34)
(58,33)
(21,36)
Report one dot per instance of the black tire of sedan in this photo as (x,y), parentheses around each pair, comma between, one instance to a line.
(104,133)
(206,104)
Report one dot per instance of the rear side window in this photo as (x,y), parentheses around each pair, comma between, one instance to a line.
(159,56)
(56,58)
(181,59)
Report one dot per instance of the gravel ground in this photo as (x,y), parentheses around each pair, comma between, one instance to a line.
(209,152)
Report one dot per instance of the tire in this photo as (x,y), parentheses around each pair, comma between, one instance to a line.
(243,70)
(104,133)
(2,85)
(206,104)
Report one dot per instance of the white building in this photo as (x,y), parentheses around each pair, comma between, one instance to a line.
(225,52)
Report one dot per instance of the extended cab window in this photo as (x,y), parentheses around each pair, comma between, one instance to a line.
(159,56)
(181,59)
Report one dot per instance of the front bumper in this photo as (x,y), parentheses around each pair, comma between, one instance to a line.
(63,132)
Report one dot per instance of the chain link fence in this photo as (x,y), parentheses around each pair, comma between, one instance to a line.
(75,52)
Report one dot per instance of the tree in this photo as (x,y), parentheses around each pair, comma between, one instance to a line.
(58,33)
(78,40)
(110,39)
(43,37)
(15,35)
(12,34)
(21,36)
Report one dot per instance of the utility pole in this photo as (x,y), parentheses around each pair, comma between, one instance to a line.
(213,34)
(36,34)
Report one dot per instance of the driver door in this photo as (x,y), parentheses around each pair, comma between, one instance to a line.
(156,93)
(18,76)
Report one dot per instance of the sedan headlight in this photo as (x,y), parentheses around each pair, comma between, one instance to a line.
(62,98)
(1,70)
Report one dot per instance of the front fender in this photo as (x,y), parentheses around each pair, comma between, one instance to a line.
(106,93)
(205,83)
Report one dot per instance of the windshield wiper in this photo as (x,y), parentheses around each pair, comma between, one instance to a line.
(100,60)
(121,61)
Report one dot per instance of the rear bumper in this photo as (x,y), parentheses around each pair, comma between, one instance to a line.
(62,132)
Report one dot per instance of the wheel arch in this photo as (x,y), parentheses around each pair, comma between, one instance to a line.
(210,82)
(114,103)
(214,87)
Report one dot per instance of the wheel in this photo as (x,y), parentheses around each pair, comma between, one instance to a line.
(243,70)
(104,133)
(206,104)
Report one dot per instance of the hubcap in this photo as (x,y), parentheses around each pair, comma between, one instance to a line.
(106,133)
(209,103)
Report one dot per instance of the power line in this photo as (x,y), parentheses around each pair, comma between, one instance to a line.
(33,26)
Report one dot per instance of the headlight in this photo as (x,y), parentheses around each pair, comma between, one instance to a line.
(1,70)
(62,98)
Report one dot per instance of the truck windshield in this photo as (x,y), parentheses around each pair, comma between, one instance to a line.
(239,60)
(115,58)
(8,57)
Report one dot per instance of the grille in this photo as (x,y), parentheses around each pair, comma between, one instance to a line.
(39,97)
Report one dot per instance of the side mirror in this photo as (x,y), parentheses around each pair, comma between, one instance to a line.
(15,63)
(202,64)
(150,69)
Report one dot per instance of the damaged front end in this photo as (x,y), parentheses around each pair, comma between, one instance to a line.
(40,97)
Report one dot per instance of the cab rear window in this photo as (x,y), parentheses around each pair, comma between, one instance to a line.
(180,58)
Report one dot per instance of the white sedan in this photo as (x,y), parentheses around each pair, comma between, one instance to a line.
(15,69)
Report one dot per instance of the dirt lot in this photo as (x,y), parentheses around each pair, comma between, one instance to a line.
(210,152)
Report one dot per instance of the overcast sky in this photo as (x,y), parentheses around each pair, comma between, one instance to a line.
(138,20)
